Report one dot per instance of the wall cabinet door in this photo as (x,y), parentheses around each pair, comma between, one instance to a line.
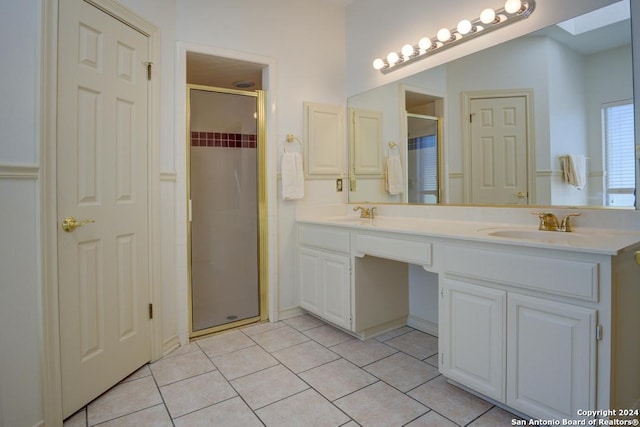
(551,351)
(472,336)
(325,285)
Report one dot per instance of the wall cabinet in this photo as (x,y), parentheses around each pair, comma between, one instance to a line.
(325,141)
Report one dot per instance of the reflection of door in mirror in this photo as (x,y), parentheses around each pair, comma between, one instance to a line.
(422,158)
(498,150)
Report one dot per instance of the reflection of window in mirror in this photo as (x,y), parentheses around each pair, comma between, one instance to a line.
(618,125)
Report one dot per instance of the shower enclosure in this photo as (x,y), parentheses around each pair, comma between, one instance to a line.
(423,158)
(224,208)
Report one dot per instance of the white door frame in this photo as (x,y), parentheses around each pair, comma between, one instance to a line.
(467,97)
(51,373)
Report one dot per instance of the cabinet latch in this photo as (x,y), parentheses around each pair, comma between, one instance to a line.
(599,332)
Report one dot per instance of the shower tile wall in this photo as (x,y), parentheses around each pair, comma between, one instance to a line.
(220,139)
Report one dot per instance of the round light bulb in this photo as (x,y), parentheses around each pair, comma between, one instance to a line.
(443,35)
(392,58)
(424,43)
(464,27)
(378,64)
(512,6)
(407,50)
(487,16)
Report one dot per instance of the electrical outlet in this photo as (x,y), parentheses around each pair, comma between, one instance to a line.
(339,185)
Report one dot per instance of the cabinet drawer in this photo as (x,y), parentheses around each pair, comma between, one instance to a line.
(411,251)
(567,277)
(324,237)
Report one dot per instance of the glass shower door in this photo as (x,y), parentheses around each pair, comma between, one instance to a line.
(223,190)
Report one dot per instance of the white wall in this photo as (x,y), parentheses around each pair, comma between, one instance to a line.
(20,320)
(306,39)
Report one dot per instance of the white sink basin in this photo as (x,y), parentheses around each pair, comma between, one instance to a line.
(539,235)
(350,220)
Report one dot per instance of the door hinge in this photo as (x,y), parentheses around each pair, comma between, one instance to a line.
(150,311)
(441,359)
(149,70)
(599,332)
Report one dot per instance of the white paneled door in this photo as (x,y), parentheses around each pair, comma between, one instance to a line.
(102,177)
(499,150)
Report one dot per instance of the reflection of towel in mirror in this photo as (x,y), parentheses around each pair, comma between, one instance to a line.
(292,176)
(575,167)
(394,181)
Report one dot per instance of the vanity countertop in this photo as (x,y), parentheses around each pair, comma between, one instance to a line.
(588,240)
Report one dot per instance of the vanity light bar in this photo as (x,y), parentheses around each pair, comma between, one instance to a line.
(489,20)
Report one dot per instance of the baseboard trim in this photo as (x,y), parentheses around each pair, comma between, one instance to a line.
(423,325)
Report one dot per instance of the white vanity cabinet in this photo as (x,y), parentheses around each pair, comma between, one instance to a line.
(505,335)
(472,333)
(324,273)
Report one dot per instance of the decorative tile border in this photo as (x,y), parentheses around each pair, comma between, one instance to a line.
(219,139)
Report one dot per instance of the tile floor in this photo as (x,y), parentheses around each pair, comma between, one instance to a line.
(297,372)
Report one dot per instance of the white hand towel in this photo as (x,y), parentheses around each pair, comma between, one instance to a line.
(575,170)
(292,176)
(394,181)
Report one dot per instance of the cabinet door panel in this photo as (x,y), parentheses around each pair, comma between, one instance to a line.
(551,363)
(336,292)
(309,267)
(472,336)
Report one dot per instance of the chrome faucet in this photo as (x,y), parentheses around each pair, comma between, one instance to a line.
(549,222)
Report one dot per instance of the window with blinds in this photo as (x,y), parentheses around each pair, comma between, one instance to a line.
(620,153)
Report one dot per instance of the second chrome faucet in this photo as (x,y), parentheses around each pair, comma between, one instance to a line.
(549,221)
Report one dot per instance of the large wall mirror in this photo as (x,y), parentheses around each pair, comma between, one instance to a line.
(545,119)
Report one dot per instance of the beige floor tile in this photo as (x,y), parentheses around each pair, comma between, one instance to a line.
(268,386)
(280,338)
(432,419)
(416,343)
(433,361)
(305,356)
(495,417)
(178,368)
(196,393)
(244,362)
(155,416)
(124,399)
(183,349)
(380,405)
(303,409)
(327,335)
(140,373)
(402,371)
(450,401)
(79,419)
(260,328)
(224,343)
(230,413)
(363,352)
(304,322)
(394,333)
(338,378)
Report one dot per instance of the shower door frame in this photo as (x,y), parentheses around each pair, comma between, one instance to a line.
(263,274)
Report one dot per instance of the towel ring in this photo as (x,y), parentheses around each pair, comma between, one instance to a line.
(290,140)
(393,145)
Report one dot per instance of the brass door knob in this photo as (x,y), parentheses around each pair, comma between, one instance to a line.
(70,223)
(521,194)
(637,255)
